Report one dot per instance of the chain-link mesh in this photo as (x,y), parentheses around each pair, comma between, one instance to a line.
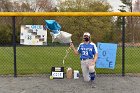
(39,59)
(132,45)
(6,52)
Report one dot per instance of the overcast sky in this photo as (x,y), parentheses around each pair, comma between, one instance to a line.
(115,4)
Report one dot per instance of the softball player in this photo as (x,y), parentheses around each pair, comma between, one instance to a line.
(88,56)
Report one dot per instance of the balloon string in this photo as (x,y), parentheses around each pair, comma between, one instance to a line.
(67,52)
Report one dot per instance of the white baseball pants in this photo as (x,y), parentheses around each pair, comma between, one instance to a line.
(86,69)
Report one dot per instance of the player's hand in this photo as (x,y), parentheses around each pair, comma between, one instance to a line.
(91,64)
(71,45)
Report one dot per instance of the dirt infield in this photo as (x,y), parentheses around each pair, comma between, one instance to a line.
(105,84)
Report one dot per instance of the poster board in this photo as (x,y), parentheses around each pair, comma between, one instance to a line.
(33,35)
(106,55)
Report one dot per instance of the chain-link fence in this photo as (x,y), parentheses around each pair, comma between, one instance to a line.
(19,59)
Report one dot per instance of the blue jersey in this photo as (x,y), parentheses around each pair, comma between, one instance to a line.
(87,51)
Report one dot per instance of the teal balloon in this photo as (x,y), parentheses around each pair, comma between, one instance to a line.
(53,26)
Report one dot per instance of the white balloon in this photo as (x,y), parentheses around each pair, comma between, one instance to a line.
(62,37)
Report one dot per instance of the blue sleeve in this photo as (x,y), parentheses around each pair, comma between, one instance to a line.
(79,49)
(94,51)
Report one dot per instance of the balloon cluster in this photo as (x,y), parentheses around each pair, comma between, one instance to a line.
(57,35)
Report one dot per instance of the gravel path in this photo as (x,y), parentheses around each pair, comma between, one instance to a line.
(105,84)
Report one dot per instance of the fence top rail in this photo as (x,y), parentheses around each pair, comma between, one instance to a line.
(29,14)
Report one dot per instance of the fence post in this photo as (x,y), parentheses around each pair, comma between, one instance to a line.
(123,46)
(14,45)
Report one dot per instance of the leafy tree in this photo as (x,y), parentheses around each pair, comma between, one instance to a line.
(21,6)
(5,34)
(127,2)
(99,27)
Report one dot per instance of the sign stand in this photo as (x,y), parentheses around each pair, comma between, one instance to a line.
(57,72)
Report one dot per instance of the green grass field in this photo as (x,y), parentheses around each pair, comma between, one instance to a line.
(39,60)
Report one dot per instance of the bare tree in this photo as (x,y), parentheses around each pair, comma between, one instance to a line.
(133,25)
(136,22)
(6,5)
(44,5)
(26,6)
(136,6)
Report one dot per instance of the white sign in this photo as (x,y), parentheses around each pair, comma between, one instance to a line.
(33,35)
(57,74)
